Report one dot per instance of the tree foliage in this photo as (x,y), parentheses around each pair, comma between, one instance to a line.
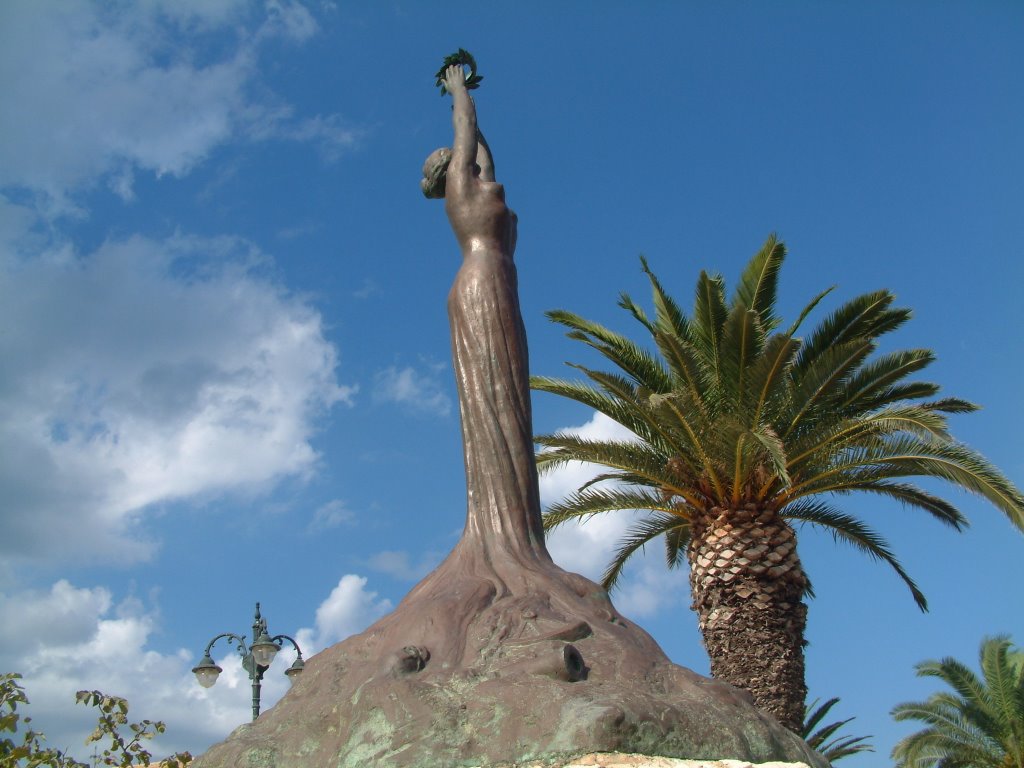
(979,723)
(825,739)
(743,429)
(730,409)
(122,750)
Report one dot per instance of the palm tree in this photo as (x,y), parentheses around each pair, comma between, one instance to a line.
(743,429)
(823,738)
(979,725)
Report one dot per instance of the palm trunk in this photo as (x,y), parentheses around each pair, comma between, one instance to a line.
(748,586)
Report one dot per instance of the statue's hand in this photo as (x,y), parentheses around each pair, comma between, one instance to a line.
(455,78)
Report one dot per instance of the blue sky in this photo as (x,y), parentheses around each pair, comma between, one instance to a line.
(226,370)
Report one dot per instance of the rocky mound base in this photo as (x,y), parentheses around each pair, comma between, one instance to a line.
(494,659)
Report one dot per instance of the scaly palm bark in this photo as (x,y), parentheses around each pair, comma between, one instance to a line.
(748,585)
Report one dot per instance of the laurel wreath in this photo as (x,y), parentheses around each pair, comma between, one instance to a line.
(465,58)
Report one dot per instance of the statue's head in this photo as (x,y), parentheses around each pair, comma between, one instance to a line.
(434,173)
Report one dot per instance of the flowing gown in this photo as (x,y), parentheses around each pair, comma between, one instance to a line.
(491,370)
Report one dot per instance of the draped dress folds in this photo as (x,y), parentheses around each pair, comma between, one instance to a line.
(489,354)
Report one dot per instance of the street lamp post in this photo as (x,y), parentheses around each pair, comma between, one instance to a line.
(256,658)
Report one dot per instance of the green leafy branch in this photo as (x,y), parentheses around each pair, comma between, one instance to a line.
(29,751)
(464,58)
(123,751)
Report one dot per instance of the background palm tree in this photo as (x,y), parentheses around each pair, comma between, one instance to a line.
(980,724)
(742,429)
(824,738)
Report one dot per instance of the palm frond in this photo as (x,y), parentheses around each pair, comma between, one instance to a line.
(897,393)
(807,310)
(684,362)
(832,438)
(818,739)
(593,501)
(742,343)
(758,283)
(709,314)
(636,462)
(818,387)
(669,318)
(1002,681)
(976,724)
(581,392)
(628,413)
(814,714)
(909,456)
(630,456)
(677,539)
(627,303)
(865,317)
(769,377)
(850,530)
(878,374)
(637,537)
(947,721)
(615,476)
(775,451)
(969,688)
(617,387)
(913,419)
(636,361)
(951,405)
(911,495)
(939,748)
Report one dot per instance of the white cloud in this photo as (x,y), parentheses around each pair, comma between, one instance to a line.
(85,95)
(195,14)
(145,371)
(560,483)
(93,91)
(148,372)
(288,19)
(584,547)
(141,371)
(329,133)
(72,638)
(349,609)
(647,586)
(330,515)
(16,225)
(587,547)
(61,616)
(399,565)
(368,288)
(418,390)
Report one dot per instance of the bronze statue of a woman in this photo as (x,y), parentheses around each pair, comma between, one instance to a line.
(488,339)
(498,655)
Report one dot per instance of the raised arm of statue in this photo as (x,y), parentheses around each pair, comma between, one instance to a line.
(464,177)
(471,156)
(464,145)
(484,158)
